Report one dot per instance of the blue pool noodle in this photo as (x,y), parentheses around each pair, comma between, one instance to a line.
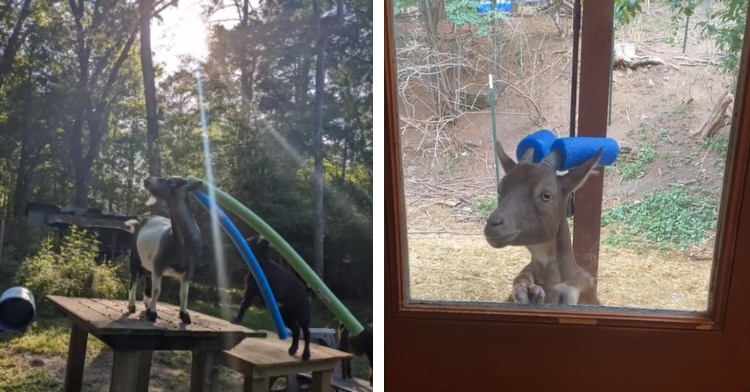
(541,141)
(251,261)
(576,150)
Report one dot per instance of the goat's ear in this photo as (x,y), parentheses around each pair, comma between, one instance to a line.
(505,161)
(578,175)
(194,186)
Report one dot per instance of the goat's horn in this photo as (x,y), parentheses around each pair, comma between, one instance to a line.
(553,159)
(528,155)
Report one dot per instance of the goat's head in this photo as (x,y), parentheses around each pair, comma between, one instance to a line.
(259,245)
(169,189)
(532,199)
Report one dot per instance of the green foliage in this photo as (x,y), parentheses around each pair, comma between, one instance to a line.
(462,12)
(727,27)
(401,5)
(484,206)
(36,380)
(625,11)
(676,217)
(72,271)
(635,168)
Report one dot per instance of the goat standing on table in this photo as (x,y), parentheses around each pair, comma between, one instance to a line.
(290,293)
(531,213)
(165,246)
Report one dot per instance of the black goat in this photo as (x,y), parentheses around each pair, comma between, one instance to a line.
(360,345)
(290,292)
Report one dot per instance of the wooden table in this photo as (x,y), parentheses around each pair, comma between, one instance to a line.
(258,360)
(133,341)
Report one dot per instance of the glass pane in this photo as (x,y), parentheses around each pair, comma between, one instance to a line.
(671,102)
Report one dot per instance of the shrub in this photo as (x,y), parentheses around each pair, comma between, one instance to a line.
(72,271)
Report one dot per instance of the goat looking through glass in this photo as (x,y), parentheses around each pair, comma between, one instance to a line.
(530,212)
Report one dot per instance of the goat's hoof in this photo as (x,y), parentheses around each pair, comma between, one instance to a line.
(150,315)
(235,321)
(185,317)
(292,350)
(306,355)
(521,294)
(536,293)
(131,309)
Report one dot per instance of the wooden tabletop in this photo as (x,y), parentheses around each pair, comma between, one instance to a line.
(270,357)
(110,321)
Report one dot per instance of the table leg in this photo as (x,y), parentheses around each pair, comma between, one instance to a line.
(131,371)
(204,372)
(76,359)
(292,384)
(256,384)
(321,381)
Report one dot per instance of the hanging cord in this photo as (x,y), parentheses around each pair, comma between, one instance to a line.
(574,86)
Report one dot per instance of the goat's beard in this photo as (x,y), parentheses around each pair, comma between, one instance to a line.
(151,201)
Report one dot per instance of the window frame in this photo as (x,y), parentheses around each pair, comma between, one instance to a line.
(592,122)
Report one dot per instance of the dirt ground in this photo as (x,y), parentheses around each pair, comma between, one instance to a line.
(449,169)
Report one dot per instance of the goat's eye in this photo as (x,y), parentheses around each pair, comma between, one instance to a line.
(546,196)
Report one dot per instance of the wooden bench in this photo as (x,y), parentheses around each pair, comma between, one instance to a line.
(259,360)
(347,385)
(133,341)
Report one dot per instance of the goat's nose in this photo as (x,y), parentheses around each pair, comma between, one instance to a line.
(494,222)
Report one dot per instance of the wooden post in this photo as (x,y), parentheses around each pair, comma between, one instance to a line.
(321,381)
(76,359)
(114,244)
(596,44)
(204,372)
(131,371)
(256,384)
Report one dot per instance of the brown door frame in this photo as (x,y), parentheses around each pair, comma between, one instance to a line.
(448,347)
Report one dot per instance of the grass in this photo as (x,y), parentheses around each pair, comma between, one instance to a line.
(484,206)
(677,217)
(637,167)
(13,378)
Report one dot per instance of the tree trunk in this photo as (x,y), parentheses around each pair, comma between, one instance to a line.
(21,192)
(92,114)
(149,90)
(318,181)
(321,44)
(15,41)
(246,70)
(81,188)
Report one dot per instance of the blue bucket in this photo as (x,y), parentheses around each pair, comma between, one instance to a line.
(17,309)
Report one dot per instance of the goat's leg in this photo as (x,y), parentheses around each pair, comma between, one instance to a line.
(306,334)
(155,291)
(295,337)
(247,300)
(346,371)
(131,292)
(524,288)
(147,290)
(184,287)
(569,291)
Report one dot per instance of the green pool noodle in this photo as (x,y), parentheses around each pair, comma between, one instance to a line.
(295,260)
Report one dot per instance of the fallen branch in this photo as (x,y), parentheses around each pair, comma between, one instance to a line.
(625,57)
(691,61)
(720,117)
